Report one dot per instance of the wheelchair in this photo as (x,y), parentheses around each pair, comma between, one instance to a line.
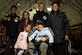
(49,51)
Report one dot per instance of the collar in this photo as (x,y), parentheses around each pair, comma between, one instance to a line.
(40,11)
(55,12)
(13,14)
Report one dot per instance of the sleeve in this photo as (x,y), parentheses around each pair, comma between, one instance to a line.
(4,22)
(34,19)
(49,21)
(50,36)
(19,19)
(32,36)
(18,40)
(20,27)
(67,26)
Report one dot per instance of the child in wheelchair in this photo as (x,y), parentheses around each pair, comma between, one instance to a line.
(41,38)
(21,43)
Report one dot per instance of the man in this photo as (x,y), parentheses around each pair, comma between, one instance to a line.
(41,15)
(11,23)
(60,26)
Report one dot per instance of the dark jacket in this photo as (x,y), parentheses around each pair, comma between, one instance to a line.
(59,24)
(41,16)
(22,25)
(11,24)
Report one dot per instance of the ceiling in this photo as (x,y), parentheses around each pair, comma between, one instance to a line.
(73,8)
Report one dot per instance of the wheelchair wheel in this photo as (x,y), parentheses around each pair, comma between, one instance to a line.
(50,52)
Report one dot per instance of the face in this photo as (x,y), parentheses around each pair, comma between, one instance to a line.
(13,10)
(40,27)
(28,28)
(41,7)
(55,7)
(36,26)
(26,15)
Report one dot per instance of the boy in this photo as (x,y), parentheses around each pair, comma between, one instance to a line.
(41,36)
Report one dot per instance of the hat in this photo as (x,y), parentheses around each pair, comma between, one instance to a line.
(40,22)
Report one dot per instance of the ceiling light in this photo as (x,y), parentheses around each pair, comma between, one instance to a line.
(49,9)
(18,4)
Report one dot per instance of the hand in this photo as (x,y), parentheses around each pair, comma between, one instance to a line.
(15,50)
(5,18)
(50,44)
(66,38)
(43,39)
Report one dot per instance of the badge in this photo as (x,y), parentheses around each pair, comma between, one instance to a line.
(37,21)
(44,17)
(9,18)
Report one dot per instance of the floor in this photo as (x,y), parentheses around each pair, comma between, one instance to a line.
(72,51)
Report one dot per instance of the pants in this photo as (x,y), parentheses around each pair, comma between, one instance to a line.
(20,52)
(9,50)
(31,48)
(42,47)
(61,48)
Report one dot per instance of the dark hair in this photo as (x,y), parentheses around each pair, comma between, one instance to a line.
(40,22)
(27,13)
(13,7)
(55,3)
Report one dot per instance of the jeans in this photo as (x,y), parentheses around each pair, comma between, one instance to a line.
(20,52)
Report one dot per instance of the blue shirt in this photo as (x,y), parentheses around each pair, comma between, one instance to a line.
(40,34)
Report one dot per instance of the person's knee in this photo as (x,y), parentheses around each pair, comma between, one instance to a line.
(31,48)
(31,51)
(31,45)
(43,45)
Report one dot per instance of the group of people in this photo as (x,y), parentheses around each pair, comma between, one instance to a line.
(26,35)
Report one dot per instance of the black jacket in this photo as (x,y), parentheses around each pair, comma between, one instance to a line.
(59,24)
(41,16)
(11,24)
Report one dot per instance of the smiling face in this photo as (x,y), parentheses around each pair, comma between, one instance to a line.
(25,15)
(13,10)
(41,7)
(55,7)
(28,28)
(40,27)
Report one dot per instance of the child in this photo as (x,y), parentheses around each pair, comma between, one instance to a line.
(21,42)
(41,35)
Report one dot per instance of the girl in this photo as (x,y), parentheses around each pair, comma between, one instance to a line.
(21,42)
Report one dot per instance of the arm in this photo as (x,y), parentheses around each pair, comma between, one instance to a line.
(66,23)
(32,36)
(49,22)
(20,27)
(51,39)
(34,19)
(4,21)
(67,27)
(18,40)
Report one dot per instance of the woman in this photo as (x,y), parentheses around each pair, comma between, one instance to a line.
(25,20)
(41,14)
